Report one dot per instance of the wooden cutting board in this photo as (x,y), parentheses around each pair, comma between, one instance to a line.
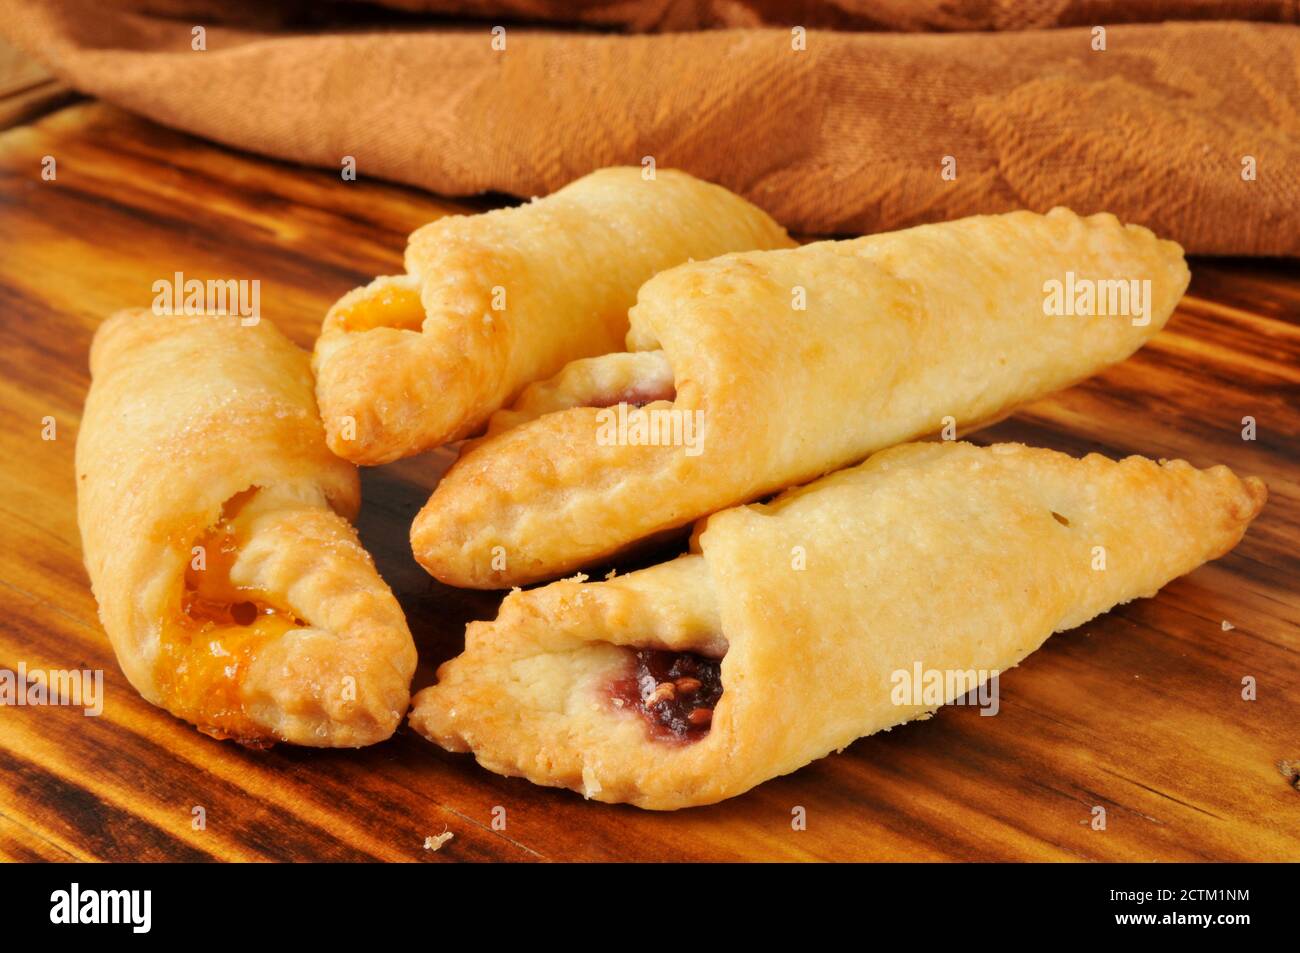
(1139,712)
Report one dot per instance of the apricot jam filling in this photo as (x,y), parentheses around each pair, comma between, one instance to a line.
(219,631)
(675,692)
(390,307)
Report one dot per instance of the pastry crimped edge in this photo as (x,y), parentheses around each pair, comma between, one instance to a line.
(491,302)
(185,415)
(946,555)
(901,331)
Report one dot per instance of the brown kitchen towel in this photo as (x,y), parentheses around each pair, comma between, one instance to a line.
(1191,128)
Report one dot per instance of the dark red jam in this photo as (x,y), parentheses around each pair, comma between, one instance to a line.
(675,692)
(635,396)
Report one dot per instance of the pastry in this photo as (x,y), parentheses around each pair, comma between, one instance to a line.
(491,302)
(789,630)
(214,522)
(762,370)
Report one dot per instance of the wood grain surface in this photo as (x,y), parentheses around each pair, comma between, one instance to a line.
(1140,711)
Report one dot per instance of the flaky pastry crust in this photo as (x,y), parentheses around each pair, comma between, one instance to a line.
(796,363)
(947,556)
(214,522)
(492,302)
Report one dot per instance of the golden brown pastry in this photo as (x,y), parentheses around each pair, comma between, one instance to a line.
(491,302)
(762,370)
(791,629)
(215,527)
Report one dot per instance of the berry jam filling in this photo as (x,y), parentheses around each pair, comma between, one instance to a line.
(637,395)
(675,692)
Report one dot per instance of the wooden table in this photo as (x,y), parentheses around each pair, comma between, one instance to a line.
(1139,712)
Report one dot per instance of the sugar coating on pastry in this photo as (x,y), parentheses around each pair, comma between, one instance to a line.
(494,301)
(214,524)
(791,364)
(946,556)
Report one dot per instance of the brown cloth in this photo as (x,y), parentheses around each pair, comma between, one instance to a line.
(847,135)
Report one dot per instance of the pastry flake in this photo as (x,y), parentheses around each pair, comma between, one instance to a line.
(491,302)
(786,628)
(791,364)
(215,527)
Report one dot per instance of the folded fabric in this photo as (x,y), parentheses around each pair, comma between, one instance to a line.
(784,636)
(1191,129)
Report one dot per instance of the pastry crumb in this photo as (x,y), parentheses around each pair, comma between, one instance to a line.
(1291,771)
(437,842)
(590,783)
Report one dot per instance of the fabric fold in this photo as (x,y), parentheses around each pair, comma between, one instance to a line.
(1189,128)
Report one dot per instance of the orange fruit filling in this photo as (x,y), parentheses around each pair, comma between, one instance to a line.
(221,627)
(388,308)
